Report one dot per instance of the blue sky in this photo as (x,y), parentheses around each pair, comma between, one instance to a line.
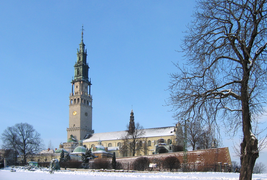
(131,48)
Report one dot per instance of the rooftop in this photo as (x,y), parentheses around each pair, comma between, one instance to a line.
(151,132)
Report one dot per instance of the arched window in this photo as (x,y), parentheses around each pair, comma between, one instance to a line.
(74,101)
(119,144)
(149,143)
(78,100)
(109,145)
(140,143)
(71,101)
(169,141)
(92,145)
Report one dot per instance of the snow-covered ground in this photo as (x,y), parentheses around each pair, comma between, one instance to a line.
(21,174)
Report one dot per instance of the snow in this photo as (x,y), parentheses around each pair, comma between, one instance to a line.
(151,132)
(6,174)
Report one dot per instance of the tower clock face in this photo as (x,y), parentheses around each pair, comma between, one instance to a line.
(74,113)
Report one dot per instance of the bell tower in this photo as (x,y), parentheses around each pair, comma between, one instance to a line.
(80,100)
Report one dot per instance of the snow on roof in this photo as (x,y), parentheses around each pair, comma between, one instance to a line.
(151,132)
(46,151)
(113,148)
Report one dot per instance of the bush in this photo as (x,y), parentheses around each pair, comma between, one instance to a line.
(71,164)
(141,164)
(43,164)
(178,148)
(119,165)
(171,162)
(101,164)
(158,162)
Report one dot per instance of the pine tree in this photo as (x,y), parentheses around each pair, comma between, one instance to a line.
(61,156)
(114,161)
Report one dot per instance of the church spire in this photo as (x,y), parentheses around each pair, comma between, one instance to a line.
(82,33)
(82,44)
(131,123)
(81,67)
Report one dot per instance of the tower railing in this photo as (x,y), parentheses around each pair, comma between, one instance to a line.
(80,93)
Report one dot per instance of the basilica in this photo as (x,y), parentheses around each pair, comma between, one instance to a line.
(152,140)
(158,141)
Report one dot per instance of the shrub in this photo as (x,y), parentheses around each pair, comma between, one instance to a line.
(171,162)
(71,164)
(158,162)
(101,164)
(119,165)
(141,164)
(178,148)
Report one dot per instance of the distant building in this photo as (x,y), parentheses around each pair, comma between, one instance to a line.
(9,155)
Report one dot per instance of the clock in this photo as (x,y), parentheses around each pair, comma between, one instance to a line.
(74,113)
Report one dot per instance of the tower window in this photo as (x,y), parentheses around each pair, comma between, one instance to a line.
(74,101)
(71,101)
(87,103)
(78,100)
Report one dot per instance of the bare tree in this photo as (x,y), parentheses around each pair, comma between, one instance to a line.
(23,139)
(194,133)
(259,168)
(50,145)
(133,141)
(125,146)
(208,138)
(226,73)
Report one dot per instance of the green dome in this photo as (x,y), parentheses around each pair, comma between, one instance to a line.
(70,140)
(100,148)
(60,150)
(79,150)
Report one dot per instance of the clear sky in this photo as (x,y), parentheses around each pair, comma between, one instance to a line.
(131,47)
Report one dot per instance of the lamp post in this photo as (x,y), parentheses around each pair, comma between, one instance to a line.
(185,146)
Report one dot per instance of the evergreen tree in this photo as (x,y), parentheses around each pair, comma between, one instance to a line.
(114,161)
(86,156)
(67,157)
(61,156)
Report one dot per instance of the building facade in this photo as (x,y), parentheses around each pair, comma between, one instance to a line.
(151,140)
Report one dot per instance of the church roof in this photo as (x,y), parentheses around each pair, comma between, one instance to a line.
(117,135)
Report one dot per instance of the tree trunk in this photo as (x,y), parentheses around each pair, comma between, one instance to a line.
(249,146)
(249,154)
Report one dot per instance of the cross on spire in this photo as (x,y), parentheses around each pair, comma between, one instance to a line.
(82,32)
